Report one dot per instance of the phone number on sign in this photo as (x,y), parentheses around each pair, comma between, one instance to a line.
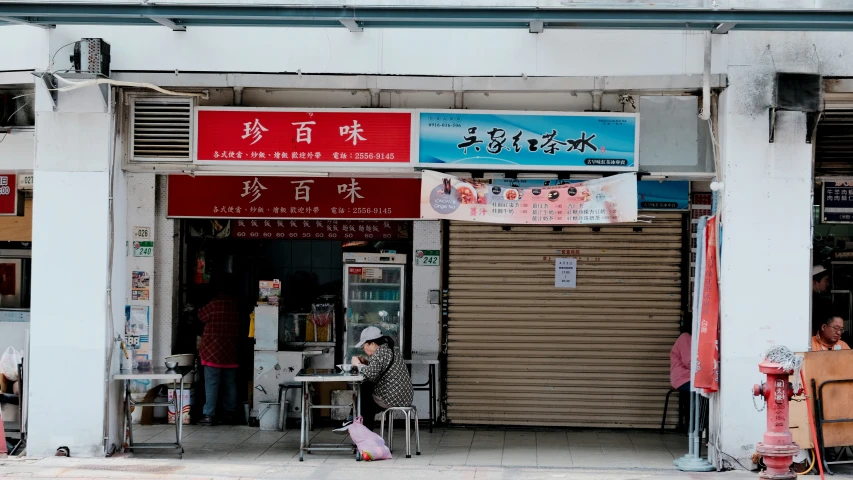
(361,211)
(282,235)
(373,156)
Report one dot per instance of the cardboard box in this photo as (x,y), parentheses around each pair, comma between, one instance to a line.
(187,401)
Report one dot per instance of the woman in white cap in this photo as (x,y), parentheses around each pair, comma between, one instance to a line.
(387,382)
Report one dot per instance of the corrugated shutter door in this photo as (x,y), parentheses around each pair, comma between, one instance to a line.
(523,352)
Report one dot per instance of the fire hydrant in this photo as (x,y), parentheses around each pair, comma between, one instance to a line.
(778,448)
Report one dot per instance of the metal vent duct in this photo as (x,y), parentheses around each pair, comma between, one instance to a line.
(161,129)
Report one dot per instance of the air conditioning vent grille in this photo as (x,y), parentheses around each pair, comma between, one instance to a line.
(162,130)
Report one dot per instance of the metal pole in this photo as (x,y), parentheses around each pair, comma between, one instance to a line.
(695,463)
(689,455)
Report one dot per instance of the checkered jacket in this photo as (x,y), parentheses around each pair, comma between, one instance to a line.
(395,386)
(219,344)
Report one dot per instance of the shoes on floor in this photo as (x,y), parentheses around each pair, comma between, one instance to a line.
(344,428)
(207,421)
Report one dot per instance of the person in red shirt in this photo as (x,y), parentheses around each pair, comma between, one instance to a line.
(679,369)
(219,353)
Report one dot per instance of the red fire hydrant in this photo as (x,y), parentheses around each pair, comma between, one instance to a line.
(778,448)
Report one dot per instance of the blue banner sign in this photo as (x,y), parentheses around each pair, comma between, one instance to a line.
(528,141)
(651,194)
(837,202)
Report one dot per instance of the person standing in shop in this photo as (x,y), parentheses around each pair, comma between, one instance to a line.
(219,354)
(821,305)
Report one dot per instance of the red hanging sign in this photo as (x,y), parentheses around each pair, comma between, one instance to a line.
(351,136)
(340,198)
(320,229)
(708,351)
(9,196)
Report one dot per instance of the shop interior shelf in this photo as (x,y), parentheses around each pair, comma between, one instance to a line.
(374,301)
(307,344)
(374,284)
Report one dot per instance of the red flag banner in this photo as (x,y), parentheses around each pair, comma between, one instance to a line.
(708,362)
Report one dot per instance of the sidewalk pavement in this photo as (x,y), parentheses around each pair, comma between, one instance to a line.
(169,469)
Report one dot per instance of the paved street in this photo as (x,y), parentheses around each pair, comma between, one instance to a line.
(168,469)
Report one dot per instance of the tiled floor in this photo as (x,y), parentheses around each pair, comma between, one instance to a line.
(444,447)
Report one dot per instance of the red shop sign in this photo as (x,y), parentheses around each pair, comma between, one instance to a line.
(319,229)
(293,197)
(246,135)
(9,196)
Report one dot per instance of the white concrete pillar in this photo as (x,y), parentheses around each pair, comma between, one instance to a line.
(426,317)
(74,313)
(765,269)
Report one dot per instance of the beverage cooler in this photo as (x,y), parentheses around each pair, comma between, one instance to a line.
(374,295)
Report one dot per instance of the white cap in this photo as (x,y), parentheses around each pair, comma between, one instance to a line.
(817,269)
(368,334)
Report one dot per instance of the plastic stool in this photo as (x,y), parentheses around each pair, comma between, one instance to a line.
(409,413)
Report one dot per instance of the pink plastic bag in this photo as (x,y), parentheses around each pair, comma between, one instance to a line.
(370,445)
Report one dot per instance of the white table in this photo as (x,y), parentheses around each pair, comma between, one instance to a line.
(320,375)
(429,359)
(159,373)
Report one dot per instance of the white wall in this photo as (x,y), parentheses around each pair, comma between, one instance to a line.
(766,213)
(23,48)
(167,247)
(140,213)
(426,317)
(69,318)
(17,150)
(450,52)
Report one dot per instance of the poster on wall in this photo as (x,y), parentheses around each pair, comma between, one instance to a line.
(601,201)
(651,194)
(140,285)
(264,136)
(137,330)
(566,273)
(529,140)
(837,202)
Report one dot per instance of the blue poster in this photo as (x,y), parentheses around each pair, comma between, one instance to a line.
(651,195)
(572,141)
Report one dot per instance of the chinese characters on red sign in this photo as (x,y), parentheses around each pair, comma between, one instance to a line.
(293,197)
(319,229)
(348,136)
(9,196)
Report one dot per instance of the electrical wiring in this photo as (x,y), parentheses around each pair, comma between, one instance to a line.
(734,459)
(72,85)
(52,58)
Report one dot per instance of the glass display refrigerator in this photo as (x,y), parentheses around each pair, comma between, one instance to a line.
(374,295)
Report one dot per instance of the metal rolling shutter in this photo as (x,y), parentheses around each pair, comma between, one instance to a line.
(522,352)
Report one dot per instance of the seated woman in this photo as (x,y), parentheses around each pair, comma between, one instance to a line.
(828,336)
(679,371)
(387,382)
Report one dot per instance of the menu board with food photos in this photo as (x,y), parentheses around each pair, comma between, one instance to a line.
(600,201)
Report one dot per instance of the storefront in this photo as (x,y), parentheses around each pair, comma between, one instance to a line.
(275,194)
(527,347)
(296,247)
(832,248)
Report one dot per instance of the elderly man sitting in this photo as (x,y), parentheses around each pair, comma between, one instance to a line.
(828,336)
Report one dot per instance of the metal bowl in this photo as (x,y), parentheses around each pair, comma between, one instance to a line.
(171,365)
